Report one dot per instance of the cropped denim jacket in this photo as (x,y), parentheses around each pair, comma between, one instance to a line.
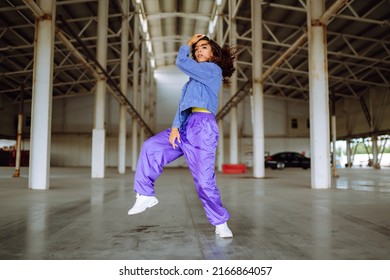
(202,88)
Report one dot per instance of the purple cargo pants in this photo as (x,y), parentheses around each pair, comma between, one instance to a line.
(199,139)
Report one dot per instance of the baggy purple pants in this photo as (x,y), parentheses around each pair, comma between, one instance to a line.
(199,139)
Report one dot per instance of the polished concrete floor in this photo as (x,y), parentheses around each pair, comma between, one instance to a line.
(276,218)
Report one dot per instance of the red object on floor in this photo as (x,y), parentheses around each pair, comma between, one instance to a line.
(233,168)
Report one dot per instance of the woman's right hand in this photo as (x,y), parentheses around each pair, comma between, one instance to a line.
(173,136)
(195,38)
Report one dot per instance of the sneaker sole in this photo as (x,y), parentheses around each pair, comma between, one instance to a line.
(153,203)
(226,236)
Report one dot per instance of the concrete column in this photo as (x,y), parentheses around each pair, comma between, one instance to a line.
(319,99)
(134,130)
(153,103)
(123,86)
(19,136)
(233,88)
(349,158)
(148,92)
(143,88)
(374,141)
(41,106)
(258,98)
(334,156)
(99,133)
(220,149)
(334,136)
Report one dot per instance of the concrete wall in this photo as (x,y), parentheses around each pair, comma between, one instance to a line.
(168,95)
(351,119)
(279,133)
(8,118)
(72,122)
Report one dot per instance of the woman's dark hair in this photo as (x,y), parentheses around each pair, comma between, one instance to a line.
(223,57)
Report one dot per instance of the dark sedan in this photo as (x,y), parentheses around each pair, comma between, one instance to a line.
(287,159)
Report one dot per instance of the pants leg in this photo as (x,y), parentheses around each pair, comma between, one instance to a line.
(199,142)
(156,152)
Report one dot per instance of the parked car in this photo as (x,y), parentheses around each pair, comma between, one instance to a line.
(287,159)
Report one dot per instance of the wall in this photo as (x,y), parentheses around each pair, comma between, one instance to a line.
(8,118)
(72,123)
(350,117)
(169,83)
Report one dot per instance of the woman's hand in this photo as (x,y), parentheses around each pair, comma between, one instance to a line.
(173,136)
(195,38)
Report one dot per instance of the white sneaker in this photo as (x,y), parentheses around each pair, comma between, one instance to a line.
(142,203)
(223,231)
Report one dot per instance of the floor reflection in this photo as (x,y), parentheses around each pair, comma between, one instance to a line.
(36,231)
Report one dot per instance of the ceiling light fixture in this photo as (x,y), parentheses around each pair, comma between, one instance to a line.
(145,29)
(213,24)
(144,23)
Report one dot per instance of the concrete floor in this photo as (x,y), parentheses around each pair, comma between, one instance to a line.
(276,218)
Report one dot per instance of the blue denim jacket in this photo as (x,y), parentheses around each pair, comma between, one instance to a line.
(202,88)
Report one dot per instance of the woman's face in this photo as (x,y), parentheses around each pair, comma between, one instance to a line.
(203,51)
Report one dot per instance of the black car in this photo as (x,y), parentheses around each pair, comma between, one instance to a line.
(287,159)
